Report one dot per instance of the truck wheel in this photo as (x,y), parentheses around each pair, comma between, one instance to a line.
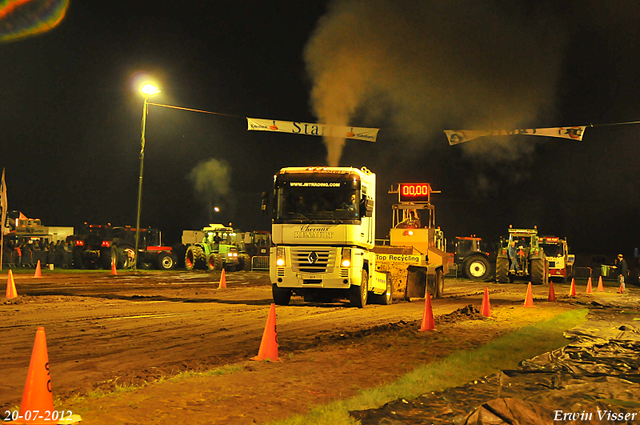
(281,296)
(477,268)
(214,262)
(502,270)
(358,294)
(537,271)
(165,261)
(194,258)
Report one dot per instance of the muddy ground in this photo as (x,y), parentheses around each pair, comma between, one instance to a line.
(107,333)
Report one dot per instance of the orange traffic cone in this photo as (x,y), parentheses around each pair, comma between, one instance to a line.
(600,285)
(428,324)
(572,291)
(223,280)
(269,344)
(589,289)
(11,287)
(38,272)
(485,310)
(113,267)
(528,301)
(37,396)
(37,400)
(552,293)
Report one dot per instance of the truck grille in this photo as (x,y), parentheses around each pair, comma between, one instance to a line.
(310,260)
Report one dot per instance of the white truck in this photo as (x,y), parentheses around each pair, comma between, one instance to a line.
(323,231)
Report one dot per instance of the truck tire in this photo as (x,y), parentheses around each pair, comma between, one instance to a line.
(477,268)
(194,258)
(214,262)
(386,298)
(165,261)
(358,294)
(502,270)
(281,296)
(537,271)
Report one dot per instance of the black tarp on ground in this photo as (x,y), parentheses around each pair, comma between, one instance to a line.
(595,379)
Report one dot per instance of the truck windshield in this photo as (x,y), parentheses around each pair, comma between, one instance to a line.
(552,249)
(310,198)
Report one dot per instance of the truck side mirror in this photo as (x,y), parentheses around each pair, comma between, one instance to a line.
(366,207)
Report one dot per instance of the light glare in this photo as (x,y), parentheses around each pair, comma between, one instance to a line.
(149,89)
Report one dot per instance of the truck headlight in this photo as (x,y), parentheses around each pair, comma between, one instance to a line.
(346,257)
(280,257)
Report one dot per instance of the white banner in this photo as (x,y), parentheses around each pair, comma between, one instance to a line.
(460,136)
(311,129)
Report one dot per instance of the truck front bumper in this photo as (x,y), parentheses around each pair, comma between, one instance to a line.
(338,280)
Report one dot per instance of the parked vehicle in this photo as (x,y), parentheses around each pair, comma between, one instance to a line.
(531,259)
(215,251)
(472,259)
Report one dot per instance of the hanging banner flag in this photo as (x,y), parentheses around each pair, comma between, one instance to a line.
(460,136)
(296,127)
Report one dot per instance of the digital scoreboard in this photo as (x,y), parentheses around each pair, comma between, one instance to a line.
(414,192)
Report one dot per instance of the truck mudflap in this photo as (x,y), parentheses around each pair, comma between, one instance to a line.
(379,282)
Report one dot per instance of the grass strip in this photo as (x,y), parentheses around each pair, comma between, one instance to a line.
(456,369)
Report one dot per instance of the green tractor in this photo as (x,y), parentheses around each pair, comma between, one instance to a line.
(530,257)
(217,250)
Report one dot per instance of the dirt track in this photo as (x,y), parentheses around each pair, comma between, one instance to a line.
(103,331)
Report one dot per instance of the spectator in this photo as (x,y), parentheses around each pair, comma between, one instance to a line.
(622,270)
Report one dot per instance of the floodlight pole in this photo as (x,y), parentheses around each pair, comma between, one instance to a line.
(145,109)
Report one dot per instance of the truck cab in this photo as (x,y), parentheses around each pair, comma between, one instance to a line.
(323,231)
(560,262)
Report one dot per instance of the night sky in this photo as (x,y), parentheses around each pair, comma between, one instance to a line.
(70,112)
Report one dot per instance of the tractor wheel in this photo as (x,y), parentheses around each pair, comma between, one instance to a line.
(77,258)
(244,262)
(358,294)
(214,262)
(281,296)
(165,261)
(477,268)
(194,258)
(126,257)
(502,270)
(439,284)
(537,271)
(386,298)
(106,258)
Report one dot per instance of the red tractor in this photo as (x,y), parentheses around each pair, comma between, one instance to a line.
(471,258)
